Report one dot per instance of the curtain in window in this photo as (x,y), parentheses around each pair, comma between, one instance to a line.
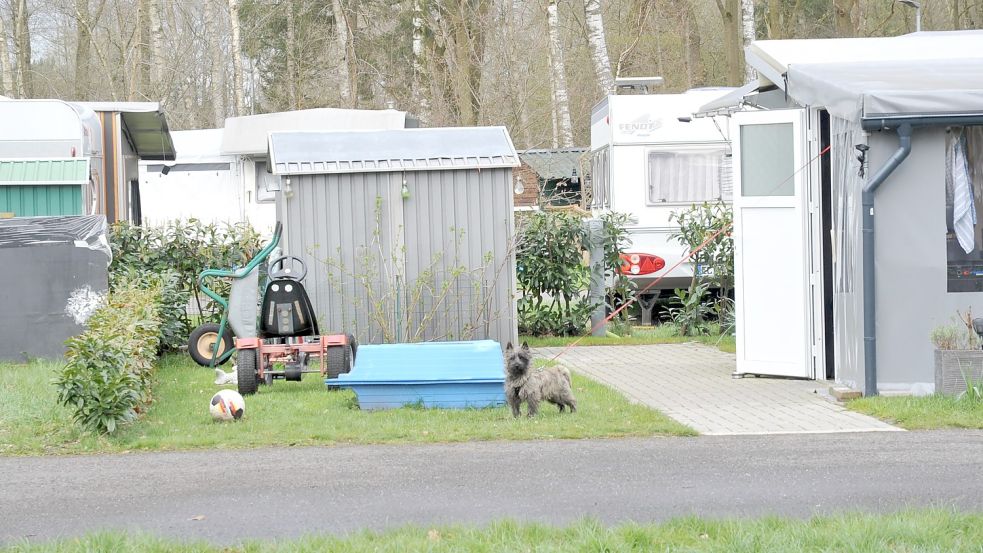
(677,177)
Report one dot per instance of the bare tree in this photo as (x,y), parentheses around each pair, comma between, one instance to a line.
(729,13)
(843,15)
(598,45)
(236,52)
(6,73)
(747,27)
(347,71)
(291,47)
(22,46)
(561,97)
(217,75)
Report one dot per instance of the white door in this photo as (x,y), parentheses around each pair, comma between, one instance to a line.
(774,305)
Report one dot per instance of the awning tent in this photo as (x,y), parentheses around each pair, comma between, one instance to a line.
(144,126)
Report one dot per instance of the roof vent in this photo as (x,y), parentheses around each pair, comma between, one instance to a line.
(636,85)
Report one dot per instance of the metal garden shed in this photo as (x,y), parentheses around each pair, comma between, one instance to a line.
(407,234)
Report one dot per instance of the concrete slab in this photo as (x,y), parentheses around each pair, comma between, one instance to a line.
(692,383)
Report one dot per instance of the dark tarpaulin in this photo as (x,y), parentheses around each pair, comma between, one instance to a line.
(54,274)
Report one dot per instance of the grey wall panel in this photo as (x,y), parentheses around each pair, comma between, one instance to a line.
(364,277)
(911,261)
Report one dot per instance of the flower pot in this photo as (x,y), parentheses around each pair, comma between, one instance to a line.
(953,366)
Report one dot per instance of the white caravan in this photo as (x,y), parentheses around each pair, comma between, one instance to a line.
(649,158)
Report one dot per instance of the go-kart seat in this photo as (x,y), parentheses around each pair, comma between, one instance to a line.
(287,311)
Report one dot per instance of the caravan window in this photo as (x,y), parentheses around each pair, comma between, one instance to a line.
(687,176)
(600,179)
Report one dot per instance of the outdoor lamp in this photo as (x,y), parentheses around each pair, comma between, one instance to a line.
(405,190)
(574,179)
(518,186)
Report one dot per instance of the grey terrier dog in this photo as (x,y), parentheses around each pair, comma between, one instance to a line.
(526,384)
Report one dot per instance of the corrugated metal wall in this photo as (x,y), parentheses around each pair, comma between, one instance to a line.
(41,199)
(438,265)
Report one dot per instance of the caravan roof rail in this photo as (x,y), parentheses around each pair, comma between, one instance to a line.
(636,85)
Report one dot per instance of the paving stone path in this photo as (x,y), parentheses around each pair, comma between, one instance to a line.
(692,383)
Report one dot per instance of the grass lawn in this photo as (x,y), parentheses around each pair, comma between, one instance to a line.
(930,530)
(923,413)
(640,336)
(292,413)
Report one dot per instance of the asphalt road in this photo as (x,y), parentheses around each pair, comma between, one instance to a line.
(288,492)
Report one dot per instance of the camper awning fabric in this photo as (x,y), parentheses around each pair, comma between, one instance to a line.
(890,89)
(248,135)
(305,153)
(44,171)
(145,126)
(732,99)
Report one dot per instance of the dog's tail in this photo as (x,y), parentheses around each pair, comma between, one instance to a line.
(566,374)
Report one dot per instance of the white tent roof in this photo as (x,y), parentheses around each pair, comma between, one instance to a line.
(249,134)
(307,153)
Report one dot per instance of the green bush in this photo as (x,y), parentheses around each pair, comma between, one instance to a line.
(109,374)
(553,275)
(176,254)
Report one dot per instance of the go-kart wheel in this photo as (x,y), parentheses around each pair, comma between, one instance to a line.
(354,345)
(246,371)
(203,339)
(339,359)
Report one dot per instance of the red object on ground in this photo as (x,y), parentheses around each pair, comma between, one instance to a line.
(641,263)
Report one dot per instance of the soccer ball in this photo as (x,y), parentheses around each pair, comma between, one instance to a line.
(227,405)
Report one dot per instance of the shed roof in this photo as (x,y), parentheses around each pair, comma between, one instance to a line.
(44,171)
(248,134)
(553,164)
(146,127)
(295,153)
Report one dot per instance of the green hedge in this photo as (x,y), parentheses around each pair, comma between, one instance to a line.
(109,375)
(176,254)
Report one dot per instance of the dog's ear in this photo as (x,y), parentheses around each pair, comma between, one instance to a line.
(508,347)
(525,346)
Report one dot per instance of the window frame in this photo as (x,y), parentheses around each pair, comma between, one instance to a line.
(720,147)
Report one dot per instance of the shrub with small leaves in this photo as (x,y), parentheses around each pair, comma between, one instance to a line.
(109,374)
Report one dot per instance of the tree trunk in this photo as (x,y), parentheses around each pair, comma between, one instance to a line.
(561,99)
(157,63)
(843,15)
(291,48)
(955,15)
(348,70)
(6,73)
(83,45)
(419,95)
(747,28)
(22,44)
(694,58)
(775,20)
(729,12)
(217,74)
(238,83)
(598,45)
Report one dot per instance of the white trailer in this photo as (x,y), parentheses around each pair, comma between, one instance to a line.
(649,158)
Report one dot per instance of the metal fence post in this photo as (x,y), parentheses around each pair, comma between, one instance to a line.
(595,233)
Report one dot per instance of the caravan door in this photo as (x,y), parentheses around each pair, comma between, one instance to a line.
(771,277)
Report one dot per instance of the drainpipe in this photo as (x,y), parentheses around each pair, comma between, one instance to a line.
(870,339)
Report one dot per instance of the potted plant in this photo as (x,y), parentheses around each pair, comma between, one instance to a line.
(958,355)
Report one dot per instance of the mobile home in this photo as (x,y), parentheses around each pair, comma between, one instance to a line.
(649,158)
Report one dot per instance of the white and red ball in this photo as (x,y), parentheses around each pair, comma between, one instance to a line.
(227,405)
